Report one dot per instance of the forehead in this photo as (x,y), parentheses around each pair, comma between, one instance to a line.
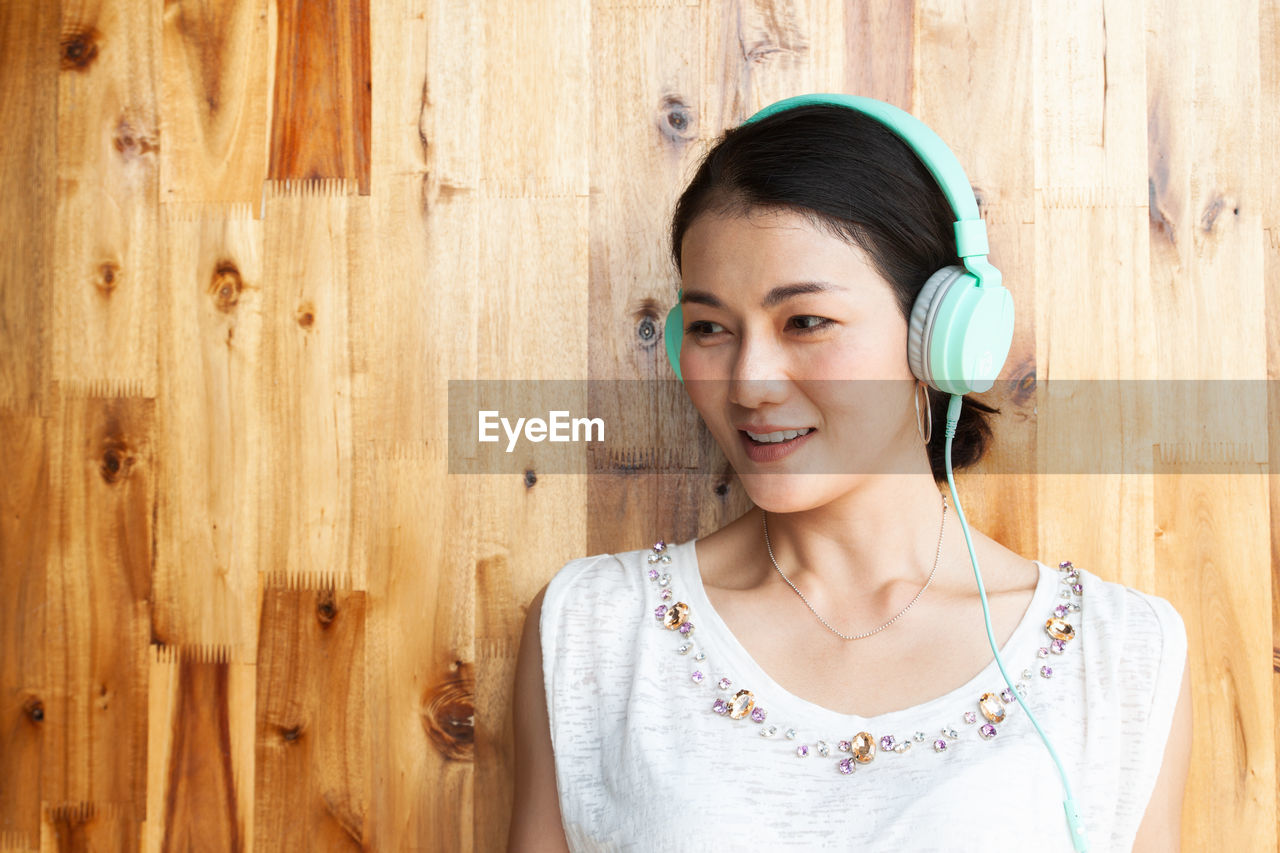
(779,253)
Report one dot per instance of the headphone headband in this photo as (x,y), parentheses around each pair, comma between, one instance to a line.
(970,230)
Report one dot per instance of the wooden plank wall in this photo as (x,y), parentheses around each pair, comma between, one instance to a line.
(247,244)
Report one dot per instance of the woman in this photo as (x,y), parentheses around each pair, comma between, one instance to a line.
(817,673)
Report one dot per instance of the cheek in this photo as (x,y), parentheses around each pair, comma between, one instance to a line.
(882,357)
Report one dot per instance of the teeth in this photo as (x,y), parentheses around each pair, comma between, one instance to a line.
(786,435)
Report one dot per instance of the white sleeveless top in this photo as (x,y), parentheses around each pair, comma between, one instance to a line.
(646,759)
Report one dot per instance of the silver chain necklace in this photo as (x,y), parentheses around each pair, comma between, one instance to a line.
(764,517)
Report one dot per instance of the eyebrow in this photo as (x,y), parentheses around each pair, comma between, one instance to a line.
(774,297)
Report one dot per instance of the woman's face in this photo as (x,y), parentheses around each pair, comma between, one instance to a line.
(778,315)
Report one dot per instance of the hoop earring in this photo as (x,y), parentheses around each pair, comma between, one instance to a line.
(926,432)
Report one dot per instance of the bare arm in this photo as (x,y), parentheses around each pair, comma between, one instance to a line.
(1161,827)
(535,816)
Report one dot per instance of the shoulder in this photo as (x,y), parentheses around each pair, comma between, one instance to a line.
(590,584)
(591,600)
(1135,627)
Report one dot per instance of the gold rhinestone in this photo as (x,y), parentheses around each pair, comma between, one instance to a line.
(677,614)
(741,704)
(991,707)
(1059,629)
(863,747)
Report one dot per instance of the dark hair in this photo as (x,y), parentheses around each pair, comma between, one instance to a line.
(852,176)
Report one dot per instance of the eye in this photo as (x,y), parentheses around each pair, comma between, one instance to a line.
(822,322)
(698,328)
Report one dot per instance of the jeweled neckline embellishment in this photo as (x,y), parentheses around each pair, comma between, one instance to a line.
(738,703)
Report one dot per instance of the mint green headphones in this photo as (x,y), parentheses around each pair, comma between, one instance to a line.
(961,325)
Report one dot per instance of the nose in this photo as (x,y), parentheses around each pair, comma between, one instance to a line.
(760,372)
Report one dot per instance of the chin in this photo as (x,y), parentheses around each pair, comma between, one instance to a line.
(781,493)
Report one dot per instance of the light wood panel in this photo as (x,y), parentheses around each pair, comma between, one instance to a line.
(243,602)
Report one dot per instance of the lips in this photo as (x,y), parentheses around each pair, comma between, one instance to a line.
(773,451)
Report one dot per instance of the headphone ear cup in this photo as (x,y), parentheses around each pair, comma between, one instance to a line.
(673,336)
(923,314)
(959,334)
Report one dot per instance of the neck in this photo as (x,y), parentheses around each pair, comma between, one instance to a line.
(867,553)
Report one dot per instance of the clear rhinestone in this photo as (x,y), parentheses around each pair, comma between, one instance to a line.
(1066,593)
(919,736)
(824,749)
(902,747)
(1073,607)
(664,580)
(790,733)
(653,558)
(950,732)
(684,648)
(1026,673)
(700,656)
(768,731)
(665,558)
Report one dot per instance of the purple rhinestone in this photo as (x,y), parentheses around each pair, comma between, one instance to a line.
(1060,611)
(1057,646)
(665,593)
(1043,652)
(758,714)
(888,742)
(686,627)
(844,746)
(1006,695)
(659,612)
(697,676)
(720,706)
(724,683)
(970,717)
(1078,589)
(1065,564)
(802,750)
(988,731)
(1046,671)
(653,574)
(940,745)
(845,766)
(660,546)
